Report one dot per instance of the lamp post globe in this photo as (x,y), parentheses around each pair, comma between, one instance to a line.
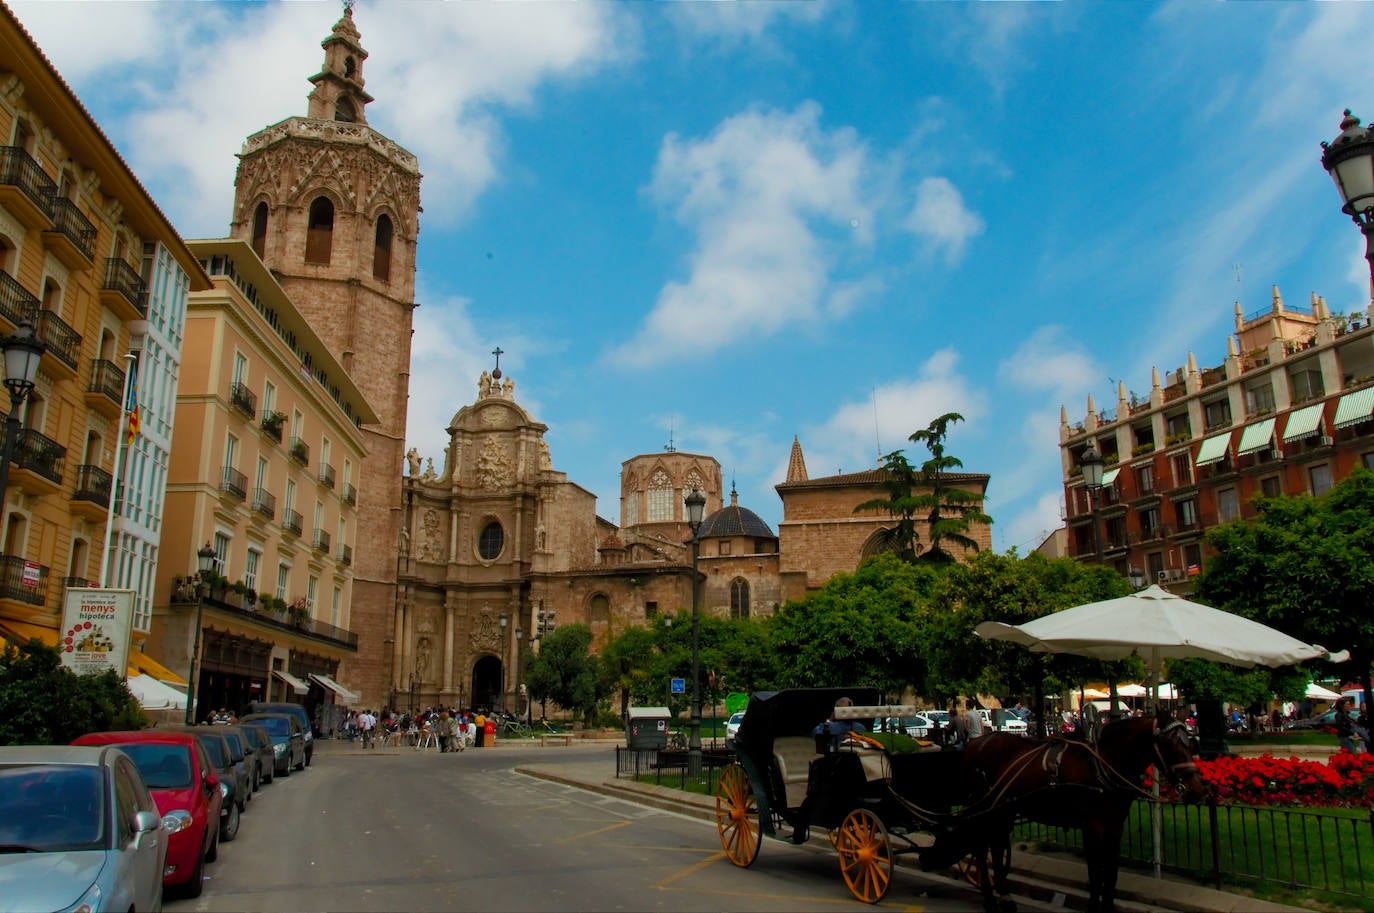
(1349,159)
(205,558)
(23,350)
(205,561)
(695,502)
(1091,462)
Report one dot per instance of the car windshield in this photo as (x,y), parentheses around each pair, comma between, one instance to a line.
(274,724)
(214,747)
(163,765)
(51,807)
(737,717)
(236,748)
(251,738)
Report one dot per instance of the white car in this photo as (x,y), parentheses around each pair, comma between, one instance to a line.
(732,726)
(918,726)
(1011,723)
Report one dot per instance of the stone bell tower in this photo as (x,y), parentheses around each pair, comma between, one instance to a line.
(332,207)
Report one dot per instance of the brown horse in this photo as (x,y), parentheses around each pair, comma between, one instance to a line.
(1070,783)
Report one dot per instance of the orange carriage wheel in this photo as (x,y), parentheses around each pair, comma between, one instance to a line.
(737,817)
(865,855)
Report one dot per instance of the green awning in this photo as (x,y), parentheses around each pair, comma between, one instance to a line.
(1354,408)
(1212,450)
(1303,422)
(1256,437)
(1109,476)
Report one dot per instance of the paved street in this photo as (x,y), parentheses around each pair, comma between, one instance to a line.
(403,830)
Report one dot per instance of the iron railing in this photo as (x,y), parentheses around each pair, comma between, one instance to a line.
(23,580)
(234,482)
(291,521)
(265,503)
(350,494)
(346,555)
(58,337)
(19,169)
(321,540)
(69,220)
(122,278)
(107,378)
(326,475)
(243,399)
(17,303)
(272,423)
(39,454)
(93,484)
(300,451)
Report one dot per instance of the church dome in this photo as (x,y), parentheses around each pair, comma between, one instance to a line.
(734,520)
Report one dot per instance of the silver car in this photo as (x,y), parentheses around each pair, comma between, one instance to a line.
(78,830)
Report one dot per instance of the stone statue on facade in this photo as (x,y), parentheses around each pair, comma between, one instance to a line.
(413,458)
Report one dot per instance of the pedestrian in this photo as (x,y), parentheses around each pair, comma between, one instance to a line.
(973,720)
(954,727)
(1352,737)
(366,724)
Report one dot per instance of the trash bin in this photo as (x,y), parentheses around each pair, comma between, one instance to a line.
(646,728)
(490,732)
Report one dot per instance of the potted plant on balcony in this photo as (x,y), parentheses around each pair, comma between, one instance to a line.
(299,451)
(272,423)
(298,612)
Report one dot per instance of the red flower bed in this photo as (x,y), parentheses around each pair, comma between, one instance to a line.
(1345,780)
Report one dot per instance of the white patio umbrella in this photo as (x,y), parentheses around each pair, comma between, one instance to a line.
(1132,690)
(1316,692)
(154,695)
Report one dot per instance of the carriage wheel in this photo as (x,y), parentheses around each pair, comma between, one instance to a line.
(865,855)
(737,817)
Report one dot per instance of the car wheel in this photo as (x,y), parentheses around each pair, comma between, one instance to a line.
(286,771)
(229,824)
(270,772)
(309,756)
(300,765)
(196,885)
(257,777)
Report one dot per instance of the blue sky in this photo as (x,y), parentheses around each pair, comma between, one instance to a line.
(739,222)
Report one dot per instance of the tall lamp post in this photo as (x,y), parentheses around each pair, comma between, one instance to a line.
(1349,159)
(519,662)
(1091,461)
(22,353)
(505,658)
(205,560)
(696,506)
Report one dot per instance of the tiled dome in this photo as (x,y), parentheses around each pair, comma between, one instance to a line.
(734,520)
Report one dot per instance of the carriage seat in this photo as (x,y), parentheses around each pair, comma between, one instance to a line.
(793,756)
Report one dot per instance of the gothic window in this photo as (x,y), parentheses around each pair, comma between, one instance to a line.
(739,598)
(350,67)
(260,230)
(632,508)
(600,609)
(491,540)
(381,250)
(344,110)
(660,497)
(320,232)
(694,481)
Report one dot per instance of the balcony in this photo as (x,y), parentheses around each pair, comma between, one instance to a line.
(321,541)
(72,237)
(124,291)
(243,399)
(25,189)
(16,304)
(69,583)
(60,341)
(106,388)
(91,499)
(300,451)
(23,580)
(39,462)
(291,522)
(326,475)
(272,423)
(350,494)
(233,482)
(265,503)
(346,555)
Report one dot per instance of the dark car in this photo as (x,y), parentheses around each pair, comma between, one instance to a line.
(288,741)
(258,744)
(187,792)
(297,711)
(233,775)
(1325,722)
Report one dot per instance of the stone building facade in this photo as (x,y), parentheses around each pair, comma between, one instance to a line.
(332,207)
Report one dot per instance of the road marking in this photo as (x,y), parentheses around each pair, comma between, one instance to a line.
(599,830)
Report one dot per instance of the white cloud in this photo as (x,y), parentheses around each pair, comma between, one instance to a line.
(1029,528)
(1050,361)
(735,21)
(941,218)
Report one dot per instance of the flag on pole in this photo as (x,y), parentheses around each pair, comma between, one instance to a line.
(132,405)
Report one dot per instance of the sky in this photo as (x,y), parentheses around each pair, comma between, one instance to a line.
(719,225)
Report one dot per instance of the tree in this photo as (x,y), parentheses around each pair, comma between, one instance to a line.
(949,510)
(1304,565)
(566,672)
(44,703)
(629,664)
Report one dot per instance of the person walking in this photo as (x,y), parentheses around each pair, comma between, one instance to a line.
(1352,738)
(366,724)
(973,719)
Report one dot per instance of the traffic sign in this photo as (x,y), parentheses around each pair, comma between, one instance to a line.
(678,686)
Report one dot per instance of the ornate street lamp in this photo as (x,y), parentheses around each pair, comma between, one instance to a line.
(505,658)
(205,561)
(696,506)
(23,350)
(1349,159)
(519,675)
(1091,461)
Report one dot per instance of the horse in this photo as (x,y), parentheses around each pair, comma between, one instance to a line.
(1071,783)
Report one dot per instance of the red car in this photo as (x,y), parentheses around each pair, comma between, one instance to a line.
(188,794)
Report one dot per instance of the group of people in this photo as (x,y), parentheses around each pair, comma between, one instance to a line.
(1353,732)
(445,728)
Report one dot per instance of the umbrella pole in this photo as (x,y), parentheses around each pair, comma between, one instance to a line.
(1156,814)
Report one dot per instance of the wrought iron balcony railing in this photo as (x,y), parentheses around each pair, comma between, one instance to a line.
(326,475)
(265,503)
(58,337)
(107,378)
(17,304)
(350,494)
(234,482)
(39,454)
(122,278)
(68,219)
(93,484)
(291,521)
(321,540)
(21,170)
(23,580)
(243,399)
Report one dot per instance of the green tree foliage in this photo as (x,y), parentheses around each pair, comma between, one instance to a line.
(44,703)
(628,665)
(1245,687)
(566,672)
(1304,565)
(949,510)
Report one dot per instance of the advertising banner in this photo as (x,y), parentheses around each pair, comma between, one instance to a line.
(96,627)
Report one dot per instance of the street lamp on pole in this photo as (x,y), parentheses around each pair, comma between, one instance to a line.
(505,657)
(1349,159)
(519,662)
(205,560)
(23,350)
(1091,461)
(696,506)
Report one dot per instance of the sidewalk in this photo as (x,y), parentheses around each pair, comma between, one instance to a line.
(1056,882)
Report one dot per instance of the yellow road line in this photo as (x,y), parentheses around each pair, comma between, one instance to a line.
(599,830)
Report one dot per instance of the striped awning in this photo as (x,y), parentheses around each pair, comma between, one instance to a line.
(343,695)
(1256,437)
(1354,408)
(296,684)
(1212,450)
(1303,422)
(1109,476)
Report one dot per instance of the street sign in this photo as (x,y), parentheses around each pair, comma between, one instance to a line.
(678,686)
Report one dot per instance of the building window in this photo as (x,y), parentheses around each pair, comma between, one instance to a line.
(1149,523)
(1320,477)
(1259,399)
(269,398)
(1145,476)
(344,112)
(660,497)
(1228,506)
(1183,470)
(335,606)
(1186,511)
(724,547)
(1217,414)
(491,540)
(283,576)
(1154,566)
(381,250)
(240,367)
(1368,460)
(1177,428)
(221,547)
(289,502)
(312,585)
(260,230)
(650,610)
(1271,486)
(1192,558)
(600,608)
(739,598)
(250,569)
(632,509)
(1307,385)
(319,238)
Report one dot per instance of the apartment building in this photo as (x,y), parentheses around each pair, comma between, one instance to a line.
(1290,410)
(89,260)
(267,448)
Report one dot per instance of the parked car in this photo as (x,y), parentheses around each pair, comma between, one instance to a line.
(258,744)
(917,726)
(1324,722)
(233,775)
(78,831)
(188,794)
(288,742)
(297,711)
(732,727)
(1010,723)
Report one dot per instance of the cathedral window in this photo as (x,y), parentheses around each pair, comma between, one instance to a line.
(320,231)
(739,598)
(381,250)
(632,509)
(659,497)
(600,609)
(344,111)
(491,540)
(260,230)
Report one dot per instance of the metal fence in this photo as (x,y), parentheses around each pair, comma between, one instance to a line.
(672,767)
(1310,849)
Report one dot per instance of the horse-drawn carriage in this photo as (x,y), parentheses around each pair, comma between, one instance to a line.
(942,805)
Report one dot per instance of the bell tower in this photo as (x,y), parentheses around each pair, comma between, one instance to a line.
(333,207)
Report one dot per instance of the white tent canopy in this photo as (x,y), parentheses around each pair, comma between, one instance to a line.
(154,695)
(1316,692)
